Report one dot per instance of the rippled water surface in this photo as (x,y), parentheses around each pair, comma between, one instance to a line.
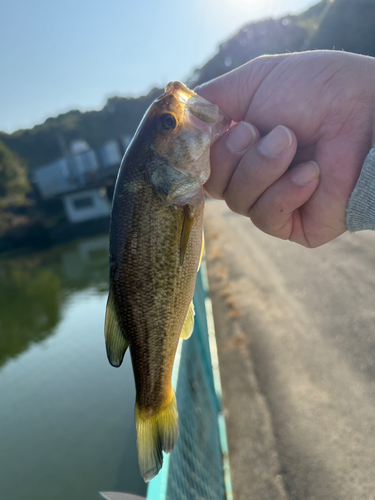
(66,416)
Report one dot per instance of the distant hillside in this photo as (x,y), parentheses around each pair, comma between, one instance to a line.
(348,25)
(272,36)
(337,24)
(341,24)
(45,142)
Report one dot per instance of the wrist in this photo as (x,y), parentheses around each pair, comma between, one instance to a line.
(360,213)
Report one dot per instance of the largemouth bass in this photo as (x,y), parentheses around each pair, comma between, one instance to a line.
(155,251)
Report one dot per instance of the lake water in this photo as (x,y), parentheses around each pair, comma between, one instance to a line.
(66,416)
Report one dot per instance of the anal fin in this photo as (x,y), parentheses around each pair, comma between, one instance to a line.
(115,342)
(188,327)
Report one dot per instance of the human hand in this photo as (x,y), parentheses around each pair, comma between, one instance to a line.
(327,99)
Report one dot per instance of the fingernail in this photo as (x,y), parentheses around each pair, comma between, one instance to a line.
(305,173)
(276,142)
(241,137)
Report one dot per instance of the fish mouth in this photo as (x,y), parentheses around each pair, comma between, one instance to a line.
(180,91)
(203,110)
(207,117)
(200,113)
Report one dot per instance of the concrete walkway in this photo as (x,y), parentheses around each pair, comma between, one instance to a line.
(296,339)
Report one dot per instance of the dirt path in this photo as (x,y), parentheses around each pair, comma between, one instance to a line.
(296,339)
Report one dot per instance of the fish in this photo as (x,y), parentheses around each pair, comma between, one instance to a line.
(156,245)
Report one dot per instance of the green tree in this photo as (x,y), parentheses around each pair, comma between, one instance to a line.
(13,178)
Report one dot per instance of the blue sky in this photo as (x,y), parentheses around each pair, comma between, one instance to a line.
(60,55)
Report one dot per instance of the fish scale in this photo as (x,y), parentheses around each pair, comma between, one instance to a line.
(155,249)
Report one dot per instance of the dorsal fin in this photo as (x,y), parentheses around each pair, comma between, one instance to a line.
(115,341)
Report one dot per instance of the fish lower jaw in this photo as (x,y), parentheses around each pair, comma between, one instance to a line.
(193,198)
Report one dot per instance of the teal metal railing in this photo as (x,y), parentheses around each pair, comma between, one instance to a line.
(198,468)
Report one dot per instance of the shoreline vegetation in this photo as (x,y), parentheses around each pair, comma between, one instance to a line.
(26,220)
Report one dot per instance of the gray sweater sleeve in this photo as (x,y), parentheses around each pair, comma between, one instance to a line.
(360,213)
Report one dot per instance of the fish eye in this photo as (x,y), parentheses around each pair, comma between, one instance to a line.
(167,122)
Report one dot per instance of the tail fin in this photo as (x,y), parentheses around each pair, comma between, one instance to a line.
(155,432)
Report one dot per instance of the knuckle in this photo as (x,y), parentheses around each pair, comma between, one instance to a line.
(215,186)
(231,201)
(278,203)
(268,219)
(257,218)
(214,192)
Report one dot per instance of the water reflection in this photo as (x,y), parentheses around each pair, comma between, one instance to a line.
(86,264)
(30,301)
(66,416)
(33,290)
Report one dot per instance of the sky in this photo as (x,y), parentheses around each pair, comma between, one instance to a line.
(74,54)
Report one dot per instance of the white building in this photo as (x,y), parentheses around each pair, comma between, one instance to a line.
(78,146)
(85,205)
(79,178)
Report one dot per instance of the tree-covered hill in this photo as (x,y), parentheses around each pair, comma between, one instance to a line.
(347,25)
(46,142)
(271,36)
(339,24)
(13,179)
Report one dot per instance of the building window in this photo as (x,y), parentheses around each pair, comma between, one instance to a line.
(83,203)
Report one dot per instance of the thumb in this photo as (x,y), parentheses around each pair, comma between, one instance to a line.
(234,91)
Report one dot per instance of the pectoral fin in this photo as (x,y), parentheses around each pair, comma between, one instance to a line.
(202,252)
(185,233)
(188,327)
(115,342)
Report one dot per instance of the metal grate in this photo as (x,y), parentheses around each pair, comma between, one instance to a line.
(198,468)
